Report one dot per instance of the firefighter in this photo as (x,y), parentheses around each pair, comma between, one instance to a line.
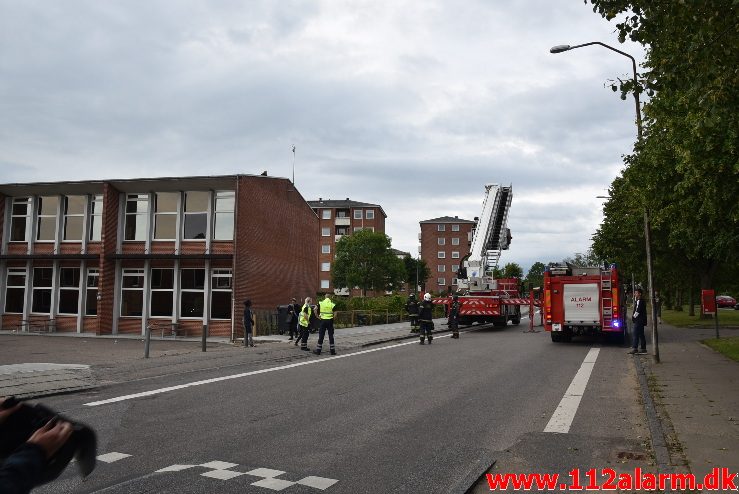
(326,314)
(303,322)
(411,307)
(425,317)
(454,316)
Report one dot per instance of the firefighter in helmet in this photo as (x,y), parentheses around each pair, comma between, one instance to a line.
(425,317)
(411,307)
(454,316)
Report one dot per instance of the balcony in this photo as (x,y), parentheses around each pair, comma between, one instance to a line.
(337,237)
(343,221)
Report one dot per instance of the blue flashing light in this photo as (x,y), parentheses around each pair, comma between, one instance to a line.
(613,265)
(616,324)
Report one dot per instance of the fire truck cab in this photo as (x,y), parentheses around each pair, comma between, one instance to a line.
(583,300)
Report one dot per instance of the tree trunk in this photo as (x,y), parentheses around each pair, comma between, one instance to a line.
(691,291)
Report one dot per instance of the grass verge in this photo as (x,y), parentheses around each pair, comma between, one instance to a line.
(727,346)
(726,318)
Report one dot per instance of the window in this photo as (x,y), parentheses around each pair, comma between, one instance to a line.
(69,290)
(441,254)
(165,215)
(455,268)
(357,214)
(441,268)
(342,230)
(91,300)
(326,214)
(220,296)
(224,215)
(441,282)
(325,266)
(96,218)
(326,249)
(196,215)
(455,241)
(324,283)
(74,218)
(20,213)
(455,255)
(47,211)
(441,241)
(325,232)
(192,284)
(132,293)
(42,278)
(455,228)
(440,228)
(162,288)
(137,217)
(369,214)
(15,291)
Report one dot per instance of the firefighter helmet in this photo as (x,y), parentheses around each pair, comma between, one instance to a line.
(427,297)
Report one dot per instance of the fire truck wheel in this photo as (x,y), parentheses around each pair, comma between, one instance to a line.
(516,321)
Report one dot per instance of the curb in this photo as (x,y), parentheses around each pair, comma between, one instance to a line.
(656,432)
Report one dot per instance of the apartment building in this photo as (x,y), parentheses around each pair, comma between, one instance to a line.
(336,219)
(444,242)
(110,257)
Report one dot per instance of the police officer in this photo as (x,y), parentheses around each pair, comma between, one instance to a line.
(303,322)
(326,314)
(411,307)
(454,316)
(425,317)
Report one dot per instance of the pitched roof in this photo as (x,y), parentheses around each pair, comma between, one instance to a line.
(448,219)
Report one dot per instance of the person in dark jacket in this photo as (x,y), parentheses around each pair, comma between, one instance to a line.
(639,318)
(21,470)
(454,316)
(293,310)
(425,317)
(411,307)
(248,324)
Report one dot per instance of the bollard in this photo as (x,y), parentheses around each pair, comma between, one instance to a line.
(205,334)
(147,338)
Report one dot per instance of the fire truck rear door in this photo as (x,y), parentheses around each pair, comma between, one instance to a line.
(581,303)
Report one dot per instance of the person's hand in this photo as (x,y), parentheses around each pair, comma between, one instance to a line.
(51,436)
(4,414)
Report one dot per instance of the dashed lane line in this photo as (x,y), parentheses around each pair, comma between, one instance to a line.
(564,414)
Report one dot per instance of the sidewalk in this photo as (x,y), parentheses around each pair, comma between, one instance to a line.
(34,365)
(698,389)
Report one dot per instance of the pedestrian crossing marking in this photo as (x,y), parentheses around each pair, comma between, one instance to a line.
(111,457)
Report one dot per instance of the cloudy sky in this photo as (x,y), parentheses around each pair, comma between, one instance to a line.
(410,104)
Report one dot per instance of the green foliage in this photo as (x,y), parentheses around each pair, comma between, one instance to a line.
(416,270)
(512,270)
(365,259)
(590,258)
(535,276)
(727,346)
(685,171)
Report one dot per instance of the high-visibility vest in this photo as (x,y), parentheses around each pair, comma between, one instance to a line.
(327,308)
(305,317)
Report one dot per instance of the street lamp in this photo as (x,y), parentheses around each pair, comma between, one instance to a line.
(647,234)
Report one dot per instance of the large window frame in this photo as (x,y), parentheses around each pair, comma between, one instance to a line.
(223,215)
(192,290)
(221,287)
(136,221)
(324,284)
(326,214)
(441,282)
(96,218)
(68,299)
(455,254)
(325,267)
(165,216)
(455,228)
(358,214)
(195,216)
(161,292)
(132,292)
(326,232)
(15,290)
(369,214)
(325,248)
(20,218)
(441,254)
(43,280)
(440,228)
(74,218)
(91,291)
(47,212)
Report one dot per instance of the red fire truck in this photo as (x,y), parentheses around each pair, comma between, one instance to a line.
(581,300)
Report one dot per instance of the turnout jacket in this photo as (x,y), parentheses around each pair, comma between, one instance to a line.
(425,311)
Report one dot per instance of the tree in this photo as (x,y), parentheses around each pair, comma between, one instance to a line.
(590,258)
(512,270)
(685,170)
(535,276)
(365,259)
(416,272)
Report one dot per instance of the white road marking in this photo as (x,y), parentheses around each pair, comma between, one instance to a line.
(317,482)
(222,474)
(175,468)
(564,414)
(246,374)
(219,465)
(265,472)
(111,457)
(274,484)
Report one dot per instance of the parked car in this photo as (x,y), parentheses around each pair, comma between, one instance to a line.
(725,301)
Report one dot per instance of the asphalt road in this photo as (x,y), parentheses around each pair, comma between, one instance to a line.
(396,418)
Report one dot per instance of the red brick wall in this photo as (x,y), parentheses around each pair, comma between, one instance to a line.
(430,248)
(18,248)
(66,324)
(161,247)
(43,248)
(70,248)
(276,244)
(129,325)
(192,248)
(109,239)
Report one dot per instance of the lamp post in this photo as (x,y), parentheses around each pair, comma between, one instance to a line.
(647,229)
